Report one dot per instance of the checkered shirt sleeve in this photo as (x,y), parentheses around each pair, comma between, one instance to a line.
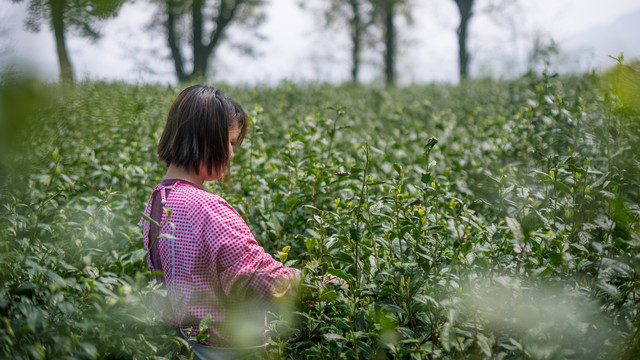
(243,267)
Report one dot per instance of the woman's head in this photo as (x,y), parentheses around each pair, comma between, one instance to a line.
(196,135)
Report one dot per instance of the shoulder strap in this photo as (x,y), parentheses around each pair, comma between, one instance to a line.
(158,200)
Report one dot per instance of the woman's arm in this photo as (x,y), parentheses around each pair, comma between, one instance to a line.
(242,265)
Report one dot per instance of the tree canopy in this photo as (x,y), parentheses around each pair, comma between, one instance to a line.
(81,17)
(199,27)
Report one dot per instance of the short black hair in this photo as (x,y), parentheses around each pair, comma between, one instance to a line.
(197,129)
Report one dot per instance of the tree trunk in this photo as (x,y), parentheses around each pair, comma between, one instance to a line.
(356,39)
(57,23)
(174,44)
(464,7)
(390,42)
(200,53)
(463,55)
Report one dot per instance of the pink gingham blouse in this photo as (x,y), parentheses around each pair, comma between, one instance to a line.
(211,262)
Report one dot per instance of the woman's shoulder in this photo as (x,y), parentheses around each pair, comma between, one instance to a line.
(203,208)
(198,199)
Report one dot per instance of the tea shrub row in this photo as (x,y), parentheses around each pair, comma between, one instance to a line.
(495,219)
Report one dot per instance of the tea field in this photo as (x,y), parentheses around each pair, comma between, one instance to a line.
(494,219)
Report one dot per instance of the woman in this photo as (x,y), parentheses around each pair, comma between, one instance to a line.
(213,269)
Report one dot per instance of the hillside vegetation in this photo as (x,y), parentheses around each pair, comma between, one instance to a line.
(495,219)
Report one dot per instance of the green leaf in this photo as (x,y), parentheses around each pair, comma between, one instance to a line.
(515,228)
(364,349)
(397,168)
(545,271)
(149,219)
(555,258)
(275,223)
(290,203)
(430,144)
(338,273)
(334,337)
(138,255)
(356,169)
(426,179)
(466,247)
(484,345)
(598,182)
(543,175)
(562,186)
(203,327)
(578,170)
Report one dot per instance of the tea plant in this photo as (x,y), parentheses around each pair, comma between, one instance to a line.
(498,219)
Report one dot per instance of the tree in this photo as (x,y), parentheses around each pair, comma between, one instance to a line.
(69,15)
(358,28)
(386,11)
(357,15)
(185,23)
(465,9)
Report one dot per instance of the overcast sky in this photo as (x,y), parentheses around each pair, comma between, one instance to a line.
(295,49)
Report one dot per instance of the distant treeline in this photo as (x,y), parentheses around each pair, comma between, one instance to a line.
(195,29)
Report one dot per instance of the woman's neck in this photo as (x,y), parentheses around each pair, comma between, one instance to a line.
(178,172)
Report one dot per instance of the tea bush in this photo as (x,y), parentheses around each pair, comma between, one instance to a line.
(495,219)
